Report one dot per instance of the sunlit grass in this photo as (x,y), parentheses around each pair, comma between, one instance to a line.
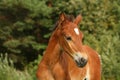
(8,72)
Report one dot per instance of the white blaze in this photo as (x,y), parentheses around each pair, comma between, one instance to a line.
(76,31)
(87,74)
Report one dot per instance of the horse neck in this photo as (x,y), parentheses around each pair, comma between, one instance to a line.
(53,51)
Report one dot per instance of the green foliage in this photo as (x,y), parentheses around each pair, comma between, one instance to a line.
(21,29)
(26,25)
(8,72)
(34,66)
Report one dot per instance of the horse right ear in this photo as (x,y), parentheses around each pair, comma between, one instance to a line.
(62,17)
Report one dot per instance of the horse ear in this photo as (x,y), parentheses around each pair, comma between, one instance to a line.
(78,19)
(62,17)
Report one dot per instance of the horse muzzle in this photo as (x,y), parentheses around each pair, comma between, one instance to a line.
(80,61)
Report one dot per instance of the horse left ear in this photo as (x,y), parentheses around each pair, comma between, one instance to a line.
(78,19)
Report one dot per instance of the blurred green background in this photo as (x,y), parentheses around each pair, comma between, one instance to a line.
(26,25)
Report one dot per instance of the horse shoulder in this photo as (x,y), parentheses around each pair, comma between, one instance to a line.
(43,72)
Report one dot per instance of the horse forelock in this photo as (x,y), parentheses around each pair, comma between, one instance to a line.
(70,18)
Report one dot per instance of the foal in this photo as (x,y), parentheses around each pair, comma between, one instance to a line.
(66,58)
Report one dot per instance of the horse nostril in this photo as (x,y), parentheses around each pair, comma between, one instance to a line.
(81,62)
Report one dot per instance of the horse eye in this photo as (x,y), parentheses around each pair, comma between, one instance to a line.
(68,38)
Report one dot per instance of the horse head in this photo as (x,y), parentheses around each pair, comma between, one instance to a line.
(70,39)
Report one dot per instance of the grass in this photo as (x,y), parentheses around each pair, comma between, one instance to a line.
(8,72)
